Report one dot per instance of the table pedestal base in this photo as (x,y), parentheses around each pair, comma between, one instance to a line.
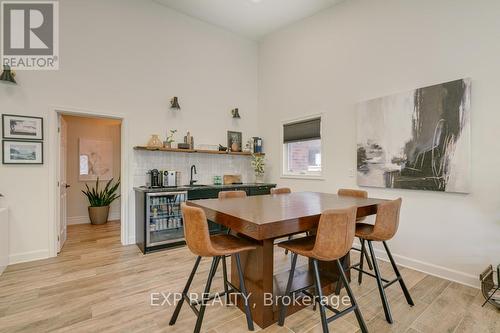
(265,287)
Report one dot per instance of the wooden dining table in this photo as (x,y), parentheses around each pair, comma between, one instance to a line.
(266,218)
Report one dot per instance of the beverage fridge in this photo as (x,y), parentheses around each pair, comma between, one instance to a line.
(161,224)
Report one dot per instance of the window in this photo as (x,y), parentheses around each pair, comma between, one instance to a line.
(302,148)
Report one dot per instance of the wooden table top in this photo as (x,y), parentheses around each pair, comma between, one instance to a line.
(272,216)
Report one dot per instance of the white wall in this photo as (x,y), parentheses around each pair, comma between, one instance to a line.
(360,50)
(128,57)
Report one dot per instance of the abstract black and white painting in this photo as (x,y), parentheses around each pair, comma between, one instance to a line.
(417,140)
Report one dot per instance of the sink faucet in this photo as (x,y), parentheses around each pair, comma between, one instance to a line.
(191,181)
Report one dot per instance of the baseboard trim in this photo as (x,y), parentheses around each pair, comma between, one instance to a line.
(18,258)
(113,216)
(77,220)
(428,268)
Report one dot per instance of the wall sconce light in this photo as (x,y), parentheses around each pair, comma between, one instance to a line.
(235,113)
(174,103)
(8,75)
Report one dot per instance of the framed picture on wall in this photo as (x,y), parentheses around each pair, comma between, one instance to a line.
(22,152)
(96,160)
(234,140)
(22,127)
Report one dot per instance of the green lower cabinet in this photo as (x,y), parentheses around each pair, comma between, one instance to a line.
(259,190)
(204,193)
(212,193)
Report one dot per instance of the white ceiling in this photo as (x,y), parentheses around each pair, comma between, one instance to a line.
(250,18)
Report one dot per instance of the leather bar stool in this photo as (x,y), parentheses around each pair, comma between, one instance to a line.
(229,195)
(364,195)
(332,241)
(217,247)
(232,194)
(385,227)
(282,190)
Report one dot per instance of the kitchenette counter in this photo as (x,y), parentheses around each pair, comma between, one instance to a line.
(202,187)
(159,221)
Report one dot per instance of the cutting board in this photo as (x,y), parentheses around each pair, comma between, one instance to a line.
(232,179)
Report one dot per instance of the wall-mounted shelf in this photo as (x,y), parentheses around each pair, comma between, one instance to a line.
(195,151)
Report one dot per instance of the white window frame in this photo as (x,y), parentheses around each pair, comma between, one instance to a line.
(284,154)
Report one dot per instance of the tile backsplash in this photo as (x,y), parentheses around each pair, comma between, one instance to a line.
(207,166)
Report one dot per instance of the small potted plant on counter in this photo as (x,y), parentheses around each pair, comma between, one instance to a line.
(100,200)
(258,167)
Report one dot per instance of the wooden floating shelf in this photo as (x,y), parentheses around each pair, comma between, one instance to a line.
(196,151)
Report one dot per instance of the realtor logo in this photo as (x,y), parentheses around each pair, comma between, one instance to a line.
(30,35)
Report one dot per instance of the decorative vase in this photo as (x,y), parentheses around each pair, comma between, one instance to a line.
(259,178)
(235,146)
(155,141)
(98,215)
(167,145)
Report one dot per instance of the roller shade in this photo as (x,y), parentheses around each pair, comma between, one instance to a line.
(302,131)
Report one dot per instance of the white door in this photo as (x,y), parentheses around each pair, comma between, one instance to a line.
(63,186)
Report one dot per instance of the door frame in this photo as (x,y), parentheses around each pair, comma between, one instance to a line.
(54,163)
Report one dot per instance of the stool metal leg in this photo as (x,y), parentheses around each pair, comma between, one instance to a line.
(319,293)
(354,303)
(224,276)
(244,292)
(282,314)
(380,284)
(398,275)
(361,261)
(338,286)
(184,292)
(211,275)
(368,261)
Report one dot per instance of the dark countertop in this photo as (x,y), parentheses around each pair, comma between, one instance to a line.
(195,188)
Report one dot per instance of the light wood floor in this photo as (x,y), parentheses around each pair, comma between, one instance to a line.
(97,285)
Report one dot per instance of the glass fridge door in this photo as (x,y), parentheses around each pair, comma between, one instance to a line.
(164,218)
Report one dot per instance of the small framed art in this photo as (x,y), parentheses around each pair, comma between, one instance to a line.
(234,141)
(22,127)
(22,152)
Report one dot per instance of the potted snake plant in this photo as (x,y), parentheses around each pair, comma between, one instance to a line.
(100,200)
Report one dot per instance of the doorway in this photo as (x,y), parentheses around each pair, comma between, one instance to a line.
(90,157)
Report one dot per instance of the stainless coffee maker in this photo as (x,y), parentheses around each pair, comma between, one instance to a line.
(154,178)
(171,178)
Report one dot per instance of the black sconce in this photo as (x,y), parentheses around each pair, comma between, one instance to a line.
(8,75)
(235,113)
(174,103)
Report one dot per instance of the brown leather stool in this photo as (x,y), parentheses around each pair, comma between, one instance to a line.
(229,195)
(232,194)
(332,241)
(364,195)
(202,244)
(282,190)
(385,227)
